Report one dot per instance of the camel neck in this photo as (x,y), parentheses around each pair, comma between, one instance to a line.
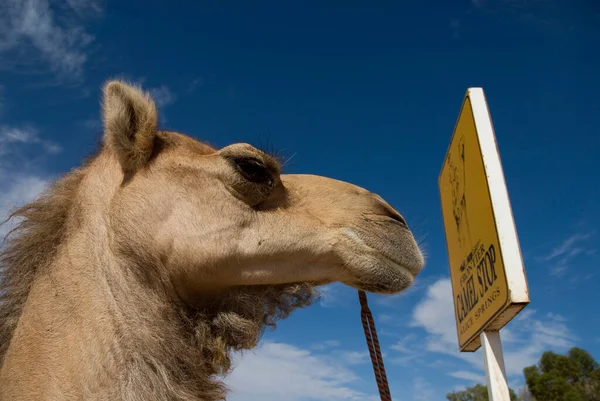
(85,318)
(97,326)
(94,329)
(65,340)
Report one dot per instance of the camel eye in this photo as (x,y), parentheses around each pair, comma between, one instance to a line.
(253,170)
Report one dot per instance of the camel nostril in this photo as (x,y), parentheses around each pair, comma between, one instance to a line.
(399,219)
(389,211)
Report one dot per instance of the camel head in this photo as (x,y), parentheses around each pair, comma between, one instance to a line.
(136,275)
(221,218)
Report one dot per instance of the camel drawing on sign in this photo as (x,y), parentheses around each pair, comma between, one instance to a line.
(136,275)
(458,181)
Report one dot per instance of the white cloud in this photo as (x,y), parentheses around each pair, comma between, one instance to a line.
(403,345)
(385,318)
(406,350)
(527,336)
(436,312)
(92,124)
(278,371)
(422,390)
(470,376)
(356,357)
(162,95)
(536,336)
(24,135)
(30,31)
(2,99)
(558,318)
(328,344)
(16,135)
(196,83)
(22,190)
(327,296)
(86,7)
(20,179)
(336,295)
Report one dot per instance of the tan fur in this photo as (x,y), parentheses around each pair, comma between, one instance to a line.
(131,122)
(135,276)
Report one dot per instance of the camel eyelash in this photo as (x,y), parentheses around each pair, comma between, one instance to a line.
(253,169)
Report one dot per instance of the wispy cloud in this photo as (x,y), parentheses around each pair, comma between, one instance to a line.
(18,193)
(562,255)
(404,344)
(277,371)
(20,178)
(422,390)
(196,83)
(328,344)
(355,357)
(469,376)
(25,135)
(91,124)
(567,247)
(2,99)
(328,296)
(162,95)
(32,31)
(86,8)
(337,295)
(406,350)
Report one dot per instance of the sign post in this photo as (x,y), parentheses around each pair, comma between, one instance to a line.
(489,286)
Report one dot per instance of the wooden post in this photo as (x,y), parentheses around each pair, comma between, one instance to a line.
(494,366)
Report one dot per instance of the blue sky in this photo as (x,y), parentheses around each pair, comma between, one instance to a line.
(363,93)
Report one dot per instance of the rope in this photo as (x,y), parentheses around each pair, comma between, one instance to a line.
(373,344)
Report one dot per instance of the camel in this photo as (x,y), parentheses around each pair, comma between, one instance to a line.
(137,275)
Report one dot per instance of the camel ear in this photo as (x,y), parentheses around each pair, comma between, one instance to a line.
(130,123)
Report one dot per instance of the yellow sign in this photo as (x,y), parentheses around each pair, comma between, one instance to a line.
(477,263)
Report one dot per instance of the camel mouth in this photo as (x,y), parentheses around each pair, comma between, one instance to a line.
(387,278)
(382,260)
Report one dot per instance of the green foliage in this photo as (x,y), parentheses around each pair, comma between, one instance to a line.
(586,363)
(575,377)
(475,393)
